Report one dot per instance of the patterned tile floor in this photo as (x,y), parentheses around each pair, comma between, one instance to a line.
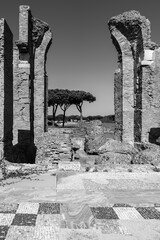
(46,220)
(81,206)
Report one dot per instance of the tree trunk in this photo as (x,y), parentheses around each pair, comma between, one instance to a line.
(81,116)
(64,109)
(54,113)
(79,107)
(64,113)
(53,120)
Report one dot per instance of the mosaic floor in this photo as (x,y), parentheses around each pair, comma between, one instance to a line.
(81,206)
(46,220)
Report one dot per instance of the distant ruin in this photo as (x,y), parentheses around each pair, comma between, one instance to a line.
(23,86)
(137,79)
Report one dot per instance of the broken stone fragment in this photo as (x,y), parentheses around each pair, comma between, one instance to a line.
(115,158)
(147,157)
(95,137)
(77,143)
(115,146)
(148,154)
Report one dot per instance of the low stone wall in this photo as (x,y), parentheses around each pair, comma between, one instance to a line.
(53,146)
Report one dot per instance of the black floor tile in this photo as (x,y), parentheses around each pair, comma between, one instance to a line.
(49,208)
(121,205)
(3,232)
(24,220)
(149,212)
(104,213)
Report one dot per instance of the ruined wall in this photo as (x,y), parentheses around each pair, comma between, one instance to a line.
(22,112)
(21,98)
(151,95)
(30,82)
(23,87)
(137,87)
(6,90)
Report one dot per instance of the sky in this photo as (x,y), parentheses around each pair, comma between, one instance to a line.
(82,56)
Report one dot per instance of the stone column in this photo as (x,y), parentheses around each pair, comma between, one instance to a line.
(118,107)
(124,89)
(24,14)
(41,85)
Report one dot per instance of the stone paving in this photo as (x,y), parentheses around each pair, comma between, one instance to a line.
(61,205)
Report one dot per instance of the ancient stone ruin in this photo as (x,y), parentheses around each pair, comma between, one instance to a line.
(23,86)
(137,79)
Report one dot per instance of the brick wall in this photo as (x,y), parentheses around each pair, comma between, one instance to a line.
(151,96)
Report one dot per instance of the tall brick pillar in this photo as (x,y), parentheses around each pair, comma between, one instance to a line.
(41,85)
(6,90)
(22,79)
(124,88)
(30,83)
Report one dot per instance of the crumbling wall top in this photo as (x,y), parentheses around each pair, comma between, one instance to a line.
(131,24)
(129,18)
(38,30)
(30,29)
(24,8)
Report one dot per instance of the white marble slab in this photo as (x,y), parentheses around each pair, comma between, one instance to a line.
(28,208)
(127,213)
(69,166)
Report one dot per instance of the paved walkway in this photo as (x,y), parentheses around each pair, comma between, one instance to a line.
(81,206)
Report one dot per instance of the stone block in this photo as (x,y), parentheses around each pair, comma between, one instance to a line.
(69,166)
(117,147)
(115,158)
(146,63)
(148,55)
(78,143)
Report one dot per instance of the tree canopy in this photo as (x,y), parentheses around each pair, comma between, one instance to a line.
(78,98)
(64,98)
